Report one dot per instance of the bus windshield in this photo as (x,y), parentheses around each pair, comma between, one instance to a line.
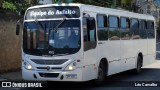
(41,38)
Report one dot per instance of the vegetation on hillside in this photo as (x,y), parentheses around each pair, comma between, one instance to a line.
(22,5)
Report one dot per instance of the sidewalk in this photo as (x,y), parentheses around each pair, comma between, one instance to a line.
(154,65)
(17,75)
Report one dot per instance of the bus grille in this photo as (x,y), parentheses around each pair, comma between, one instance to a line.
(54,68)
(54,75)
(49,62)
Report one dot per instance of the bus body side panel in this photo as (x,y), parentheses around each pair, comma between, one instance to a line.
(151,46)
(143,44)
(103,51)
(114,57)
(150,58)
(89,71)
(127,57)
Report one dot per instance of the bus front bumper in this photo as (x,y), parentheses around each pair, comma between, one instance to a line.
(33,75)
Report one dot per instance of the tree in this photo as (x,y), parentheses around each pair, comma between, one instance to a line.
(15,5)
(1,3)
(103,3)
(33,2)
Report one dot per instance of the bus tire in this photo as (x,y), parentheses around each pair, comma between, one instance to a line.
(101,74)
(138,68)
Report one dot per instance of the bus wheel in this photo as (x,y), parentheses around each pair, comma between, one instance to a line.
(139,65)
(101,74)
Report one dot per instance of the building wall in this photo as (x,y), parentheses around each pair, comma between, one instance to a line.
(10,44)
(148,7)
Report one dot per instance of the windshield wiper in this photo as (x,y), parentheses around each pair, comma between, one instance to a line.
(58,25)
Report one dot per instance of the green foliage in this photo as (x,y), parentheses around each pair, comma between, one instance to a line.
(15,5)
(103,3)
(9,5)
(19,5)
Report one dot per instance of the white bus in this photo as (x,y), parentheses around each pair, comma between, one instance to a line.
(77,42)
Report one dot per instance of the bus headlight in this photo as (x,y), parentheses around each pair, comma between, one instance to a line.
(27,65)
(71,66)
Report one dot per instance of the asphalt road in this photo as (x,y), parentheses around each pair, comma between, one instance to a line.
(121,81)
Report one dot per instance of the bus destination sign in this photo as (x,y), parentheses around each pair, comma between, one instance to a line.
(53,12)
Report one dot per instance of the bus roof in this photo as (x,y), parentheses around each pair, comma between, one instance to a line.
(100,10)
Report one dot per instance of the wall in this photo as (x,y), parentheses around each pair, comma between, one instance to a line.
(10,44)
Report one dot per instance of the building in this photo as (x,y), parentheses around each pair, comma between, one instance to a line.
(148,7)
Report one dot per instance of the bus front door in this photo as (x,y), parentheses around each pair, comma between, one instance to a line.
(90,50)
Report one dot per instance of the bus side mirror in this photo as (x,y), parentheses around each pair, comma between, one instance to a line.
(17,29)
(18,26)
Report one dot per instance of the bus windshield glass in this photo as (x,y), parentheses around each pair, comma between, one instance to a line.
(41,37)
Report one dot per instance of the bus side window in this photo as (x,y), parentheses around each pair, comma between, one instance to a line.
(150,29)
(114,32)
(142,29)
(135,29)
(124,26)
(85,33)
(89,29)
(89,33)
(102,27)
